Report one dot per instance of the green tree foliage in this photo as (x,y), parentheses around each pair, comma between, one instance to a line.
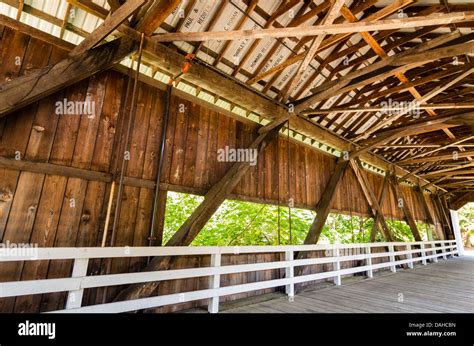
(466,224)
(239,223)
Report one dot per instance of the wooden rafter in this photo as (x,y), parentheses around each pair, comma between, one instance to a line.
(332,40)
(453,156)
(155,15)
(108,26)
(422,126)
(334,29)
(383,69)
(445,146)
(326,44)
(382,54)
(238,26)
(423,99)
(306,126)
(282,9)
(461,105)
(390,44)
(330,17)
(212,23)
(451,169)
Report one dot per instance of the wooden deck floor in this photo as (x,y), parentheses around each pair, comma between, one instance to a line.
(443,287)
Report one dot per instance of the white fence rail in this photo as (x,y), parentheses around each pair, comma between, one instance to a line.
(75,285)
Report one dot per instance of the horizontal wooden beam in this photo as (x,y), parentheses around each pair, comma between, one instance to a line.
(333,29)
(445,146)
(449,175)
(410,146)
(423,126)
(105,177)
(458,105)
(451,169)
(468,182)
(443,157)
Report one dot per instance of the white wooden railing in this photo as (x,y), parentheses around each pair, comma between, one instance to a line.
(75,285)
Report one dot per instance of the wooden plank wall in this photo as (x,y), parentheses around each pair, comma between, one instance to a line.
(53,210)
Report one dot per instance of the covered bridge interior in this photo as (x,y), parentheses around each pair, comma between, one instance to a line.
(353,106)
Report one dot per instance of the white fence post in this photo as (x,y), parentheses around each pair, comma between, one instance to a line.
(337,267)
(214,282)
(393,267)
(368,251)
(435,252)
(457,232)
(443,251)
(423,254)
(290,273)
(74,298)
(410,257)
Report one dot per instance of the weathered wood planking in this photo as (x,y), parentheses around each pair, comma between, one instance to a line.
(26,143)
(37,207)
(51,195)
(14,45)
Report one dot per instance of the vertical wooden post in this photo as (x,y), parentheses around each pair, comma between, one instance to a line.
(410,257)
(443,251)
(337,267)
(368,251)
(423,254)
(393,267)
(214,282)
(290,273)
(74,298)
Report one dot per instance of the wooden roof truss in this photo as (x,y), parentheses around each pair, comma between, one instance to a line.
(415,56)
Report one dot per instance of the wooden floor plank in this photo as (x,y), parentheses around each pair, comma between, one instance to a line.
(443,287)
